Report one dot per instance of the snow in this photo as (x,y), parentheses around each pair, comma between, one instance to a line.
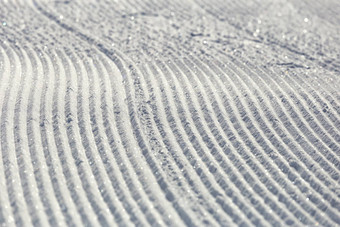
(158,113)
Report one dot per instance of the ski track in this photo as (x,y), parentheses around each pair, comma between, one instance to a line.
(181,113)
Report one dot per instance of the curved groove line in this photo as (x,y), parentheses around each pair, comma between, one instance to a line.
(293,129)
(33,127)
(143,113)
(50,153)
(5,209)
(178,164)
(15,195)
(282,168)
(322,135)
(323,104)
(117,111)
(190,157)
(195,85)
(203,156)
(259,139)
(21,157)
(207,141)
(158,206)
(142,144)
(88,145)
(177,157)
(182,113)
(270,186)
(138,136)
(268,112)
(105,95)
(63,151)
(74,147)
(302,126)
(110,169)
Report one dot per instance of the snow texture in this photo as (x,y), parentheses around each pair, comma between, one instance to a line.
(169,113)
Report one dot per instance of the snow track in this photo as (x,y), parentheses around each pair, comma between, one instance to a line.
(157,113)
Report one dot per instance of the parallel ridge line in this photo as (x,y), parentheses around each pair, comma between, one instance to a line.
(52,210)
(15,194)
(144,208)
(207,141)
(30,122)
(165,141)
(193,140)
(82,126)
(327,167)
(89,186)
(26,159)
(59,182)
(123,163)
(261,143)
(259,172)
(135,136)
(194,190)
(264,129)
(5,209)
(162,125)
(229,83)
(149,133)
(325,87)
(73,180)
(138,138)
(268,112)
(257,136)
(194,162)
(21,144)
(307,124)
(106,96)
(182,212)
(147,124)
(329,122)
(326,137)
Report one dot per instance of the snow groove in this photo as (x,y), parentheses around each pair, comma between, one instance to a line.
(158,113)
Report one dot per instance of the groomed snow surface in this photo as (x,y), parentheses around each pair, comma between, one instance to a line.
(169,113)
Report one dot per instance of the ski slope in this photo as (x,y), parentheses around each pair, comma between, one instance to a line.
(169,113)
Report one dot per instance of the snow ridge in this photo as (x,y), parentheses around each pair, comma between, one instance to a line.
(150,113)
